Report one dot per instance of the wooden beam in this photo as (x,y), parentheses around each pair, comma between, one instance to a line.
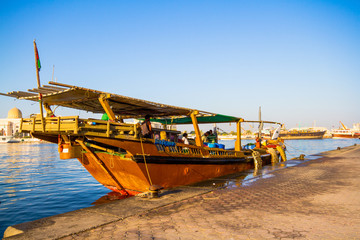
(198,139)
(61,84)
(40,91)
(54,88)
(48,89)
(262,122)
(105,104)
(238,135)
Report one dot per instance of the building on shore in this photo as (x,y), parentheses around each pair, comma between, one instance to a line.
(10,126)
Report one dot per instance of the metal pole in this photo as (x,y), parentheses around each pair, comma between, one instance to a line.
(38,84)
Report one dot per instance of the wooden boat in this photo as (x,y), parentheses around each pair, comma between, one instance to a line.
(296,133)
(117,155)
(302,134)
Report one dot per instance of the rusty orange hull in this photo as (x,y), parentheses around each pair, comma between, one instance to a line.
(132,176)
(131,167)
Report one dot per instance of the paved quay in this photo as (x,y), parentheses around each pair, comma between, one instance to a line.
(317,199)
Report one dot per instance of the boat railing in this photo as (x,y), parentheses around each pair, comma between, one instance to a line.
(77,126)
(173,148)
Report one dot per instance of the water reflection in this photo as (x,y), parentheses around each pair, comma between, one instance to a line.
(35,183)
(111,196)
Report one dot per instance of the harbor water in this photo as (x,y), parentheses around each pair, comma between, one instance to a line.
(35,183)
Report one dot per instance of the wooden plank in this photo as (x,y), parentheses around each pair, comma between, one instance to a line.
(61,84)
(39,91)
(47,89)
(54,88)
(108,129)
(19,94)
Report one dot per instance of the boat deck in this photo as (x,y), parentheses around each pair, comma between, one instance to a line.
(93,128)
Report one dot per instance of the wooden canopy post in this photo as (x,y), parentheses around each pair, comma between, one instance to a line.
(198,139)
(238,135)
(105,104)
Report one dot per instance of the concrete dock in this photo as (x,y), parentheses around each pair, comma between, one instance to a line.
(317,199)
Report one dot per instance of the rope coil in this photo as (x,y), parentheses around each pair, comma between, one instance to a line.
(274,156)
(257,160)
(282,153)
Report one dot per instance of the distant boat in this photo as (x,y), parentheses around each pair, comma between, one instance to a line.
(233,137)
(345,132)
(303,133)
(8,139)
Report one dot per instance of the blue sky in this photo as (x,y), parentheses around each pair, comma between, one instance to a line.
(298,60)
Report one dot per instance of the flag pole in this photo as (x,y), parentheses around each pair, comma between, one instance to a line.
(37,66)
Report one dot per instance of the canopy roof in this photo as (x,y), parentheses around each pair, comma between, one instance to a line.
(88,99)
(216,118)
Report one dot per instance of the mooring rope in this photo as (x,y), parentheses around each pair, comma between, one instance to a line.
(147,170)
(274,156)
(257,159)
(288,145)
(282,153)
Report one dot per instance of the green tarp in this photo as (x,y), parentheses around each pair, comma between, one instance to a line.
(218,118)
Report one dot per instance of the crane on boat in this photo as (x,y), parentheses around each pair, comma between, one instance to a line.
(344,126)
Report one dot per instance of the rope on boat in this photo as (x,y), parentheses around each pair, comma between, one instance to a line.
(274,156)
(288,145)
(257,160)
(101,164)
(147,170)
(282,153)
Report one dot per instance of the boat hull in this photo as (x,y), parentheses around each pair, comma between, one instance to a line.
(8,139)
(131,167)
(134,175)
(339,136)
(302,135)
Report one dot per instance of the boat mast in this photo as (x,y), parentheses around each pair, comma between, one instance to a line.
(37,67)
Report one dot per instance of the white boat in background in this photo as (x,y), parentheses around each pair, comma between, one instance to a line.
(8,139)
(345,132)
(233,137)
